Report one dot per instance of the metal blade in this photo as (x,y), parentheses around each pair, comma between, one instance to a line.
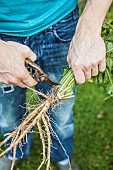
(40,74)
(51,82)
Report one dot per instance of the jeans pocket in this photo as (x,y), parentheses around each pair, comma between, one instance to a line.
(64,30)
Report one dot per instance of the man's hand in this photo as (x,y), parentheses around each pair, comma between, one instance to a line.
(87,50)
(86,55)
(12,64)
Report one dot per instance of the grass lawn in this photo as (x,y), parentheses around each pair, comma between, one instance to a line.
(94,137)
(94,125)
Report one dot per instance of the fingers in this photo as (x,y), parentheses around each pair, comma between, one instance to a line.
(25,77)
(91,71)
(98,68)
(16,83)
(79,74)
(31,55)
(28,53)
(87,74)
(82,74)
(29,81)
(9,79)
(94,70)
(102,65)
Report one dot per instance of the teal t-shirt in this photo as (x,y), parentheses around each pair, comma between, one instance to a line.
(29,17)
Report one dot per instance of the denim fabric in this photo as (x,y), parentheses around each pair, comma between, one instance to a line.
(51,47)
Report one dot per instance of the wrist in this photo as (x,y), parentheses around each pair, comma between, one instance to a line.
(89,26)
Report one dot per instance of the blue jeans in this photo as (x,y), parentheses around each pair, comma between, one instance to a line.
(51,47)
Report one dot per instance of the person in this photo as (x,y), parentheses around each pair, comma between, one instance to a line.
(44,31)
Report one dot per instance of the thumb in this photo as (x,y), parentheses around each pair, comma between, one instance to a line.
(31,55)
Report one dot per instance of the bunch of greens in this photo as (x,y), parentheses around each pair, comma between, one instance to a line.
(67,85)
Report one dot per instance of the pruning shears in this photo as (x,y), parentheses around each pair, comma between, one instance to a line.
(38,74)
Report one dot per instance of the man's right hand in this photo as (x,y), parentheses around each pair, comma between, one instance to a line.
(12,64)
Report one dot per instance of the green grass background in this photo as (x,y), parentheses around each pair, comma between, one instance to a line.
(93,135)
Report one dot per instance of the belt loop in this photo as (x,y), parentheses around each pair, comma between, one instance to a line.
(25,40)
(51,28)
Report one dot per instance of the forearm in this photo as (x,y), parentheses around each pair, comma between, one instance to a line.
(87,51)
(94,14)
